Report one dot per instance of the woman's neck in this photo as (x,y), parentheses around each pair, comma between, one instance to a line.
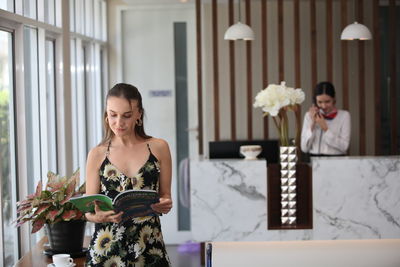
(127,141)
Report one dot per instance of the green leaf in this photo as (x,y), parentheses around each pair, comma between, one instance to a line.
(38,189)
(24,207)
(41,209)
(71,214)
(82,188)
(51,177)
(52,215)
(37,225)
(45,195)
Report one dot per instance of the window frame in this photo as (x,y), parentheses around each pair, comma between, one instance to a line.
(16,24)
(5,27)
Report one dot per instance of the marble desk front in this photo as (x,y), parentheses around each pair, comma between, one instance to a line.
(353,198)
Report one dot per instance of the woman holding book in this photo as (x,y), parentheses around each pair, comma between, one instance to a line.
(127,158)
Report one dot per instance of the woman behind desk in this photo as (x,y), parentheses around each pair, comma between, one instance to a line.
(326,129)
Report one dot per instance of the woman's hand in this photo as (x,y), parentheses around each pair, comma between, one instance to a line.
(103,216)
(320,120)
(313,111)
(164,206)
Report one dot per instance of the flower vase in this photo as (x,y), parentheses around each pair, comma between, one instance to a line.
(288,159)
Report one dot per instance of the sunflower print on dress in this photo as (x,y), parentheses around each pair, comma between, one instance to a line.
(137,242)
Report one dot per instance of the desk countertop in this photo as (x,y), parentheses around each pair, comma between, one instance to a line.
(35,257)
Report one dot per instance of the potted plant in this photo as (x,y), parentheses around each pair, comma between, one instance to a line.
(64,223)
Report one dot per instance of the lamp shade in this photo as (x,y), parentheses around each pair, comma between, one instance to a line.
(239,31)
(356,31)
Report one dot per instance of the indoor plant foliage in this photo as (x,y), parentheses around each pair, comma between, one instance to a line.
(51,204)
(276,100)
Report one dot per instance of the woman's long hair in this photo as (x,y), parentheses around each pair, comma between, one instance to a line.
(129,92)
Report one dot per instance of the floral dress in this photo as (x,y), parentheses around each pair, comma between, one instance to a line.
(135,242)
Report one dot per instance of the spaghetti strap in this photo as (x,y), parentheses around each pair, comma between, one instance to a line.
(148,146)
(108,148)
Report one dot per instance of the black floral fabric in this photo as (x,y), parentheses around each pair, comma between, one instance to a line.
(136,242)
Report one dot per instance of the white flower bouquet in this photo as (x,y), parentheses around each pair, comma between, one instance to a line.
(276,100)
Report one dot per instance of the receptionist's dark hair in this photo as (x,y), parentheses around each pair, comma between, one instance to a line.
(323,88)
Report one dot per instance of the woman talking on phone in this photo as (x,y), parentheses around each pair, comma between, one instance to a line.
(326,129)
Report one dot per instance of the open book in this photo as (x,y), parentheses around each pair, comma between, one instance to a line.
(134,203)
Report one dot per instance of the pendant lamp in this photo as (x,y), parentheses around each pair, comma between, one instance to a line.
(356,31)
(239,31)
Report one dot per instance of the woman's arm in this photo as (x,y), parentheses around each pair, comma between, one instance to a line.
(93,163)
(164,157)
(340,138)
(92,172)
(307,133)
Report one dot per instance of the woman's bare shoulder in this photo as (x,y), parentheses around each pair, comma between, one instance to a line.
(158,141)
(158,146)
(97,154)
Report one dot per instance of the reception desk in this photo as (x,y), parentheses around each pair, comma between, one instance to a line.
(353,198)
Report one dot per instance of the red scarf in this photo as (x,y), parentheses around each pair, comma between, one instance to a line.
(331,115)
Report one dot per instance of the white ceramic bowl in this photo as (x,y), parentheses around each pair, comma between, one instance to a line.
(250,152)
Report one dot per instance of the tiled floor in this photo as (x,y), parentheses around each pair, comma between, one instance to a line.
(183,259)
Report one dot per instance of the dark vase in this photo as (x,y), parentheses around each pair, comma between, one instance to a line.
(66,237)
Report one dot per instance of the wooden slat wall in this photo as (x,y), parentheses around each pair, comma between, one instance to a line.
(280,42)
(232,74)
(361,82)
(314,73)
(329,41)
(393,80)
(264,54)
(215,68)
(297,55)
(249,78)
(345,64)
(377,80)
(337,62)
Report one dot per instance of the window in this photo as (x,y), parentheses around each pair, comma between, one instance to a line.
(89,18)
(49,11)
(79,125)
(74,106)
(79,17)
(32,97)
(8,244)
(72,15)
(32,122)
(51,108)
(97,19)
(30,9)
(103,14)
(7,5)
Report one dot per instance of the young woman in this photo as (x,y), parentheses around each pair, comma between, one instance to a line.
(326,129)
(126,159)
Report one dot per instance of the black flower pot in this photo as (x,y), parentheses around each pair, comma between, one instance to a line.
(66,237)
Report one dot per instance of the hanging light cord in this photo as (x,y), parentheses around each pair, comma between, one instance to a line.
(240,19)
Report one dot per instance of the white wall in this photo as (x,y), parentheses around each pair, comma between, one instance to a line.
(145,55)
